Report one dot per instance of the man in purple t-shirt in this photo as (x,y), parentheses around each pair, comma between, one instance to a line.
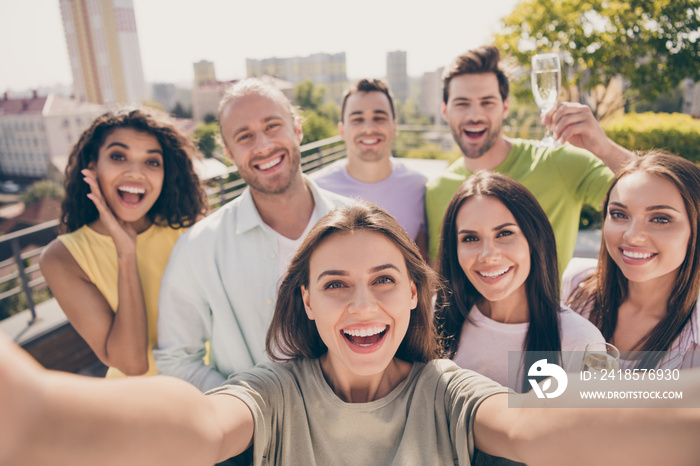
(368,126)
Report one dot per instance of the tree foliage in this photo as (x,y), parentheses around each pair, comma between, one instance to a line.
(651,44)
(206,138)
(319,118)
(42,189)
(308,95)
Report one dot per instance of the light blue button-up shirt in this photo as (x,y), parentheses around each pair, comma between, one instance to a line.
(220,286)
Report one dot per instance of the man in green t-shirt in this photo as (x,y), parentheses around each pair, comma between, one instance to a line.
(562,178)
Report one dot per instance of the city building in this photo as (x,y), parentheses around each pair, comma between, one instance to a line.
(205,98)
(103,47)
(37,132)
(204,73)
(396,74)
(165,94)
(431,95)
(323,69)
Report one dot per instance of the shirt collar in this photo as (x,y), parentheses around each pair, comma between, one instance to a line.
(249,217)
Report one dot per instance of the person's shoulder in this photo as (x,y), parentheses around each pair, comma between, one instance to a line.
(326,199)
(455,173)
(404,171)
(329,171)
(577,330)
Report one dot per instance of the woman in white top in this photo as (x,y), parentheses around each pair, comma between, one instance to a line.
(362,386)
(643,295)
(499,258)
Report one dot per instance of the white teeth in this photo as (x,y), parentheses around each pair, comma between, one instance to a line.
(494,274)
(270,164)
(365,332)
(636,255)
(131,189)
(369,141)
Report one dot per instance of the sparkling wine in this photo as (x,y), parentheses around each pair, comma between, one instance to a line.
(545,87)
(594,362)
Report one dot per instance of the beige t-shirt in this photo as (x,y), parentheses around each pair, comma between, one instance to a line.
(427,419)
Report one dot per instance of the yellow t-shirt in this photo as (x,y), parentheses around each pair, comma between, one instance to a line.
(97,256)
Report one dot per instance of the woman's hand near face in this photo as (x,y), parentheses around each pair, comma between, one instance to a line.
(123,234)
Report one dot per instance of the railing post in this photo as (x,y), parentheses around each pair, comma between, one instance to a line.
(222,191)
(23,278)
(319,158)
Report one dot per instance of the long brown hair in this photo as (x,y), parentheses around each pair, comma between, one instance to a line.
(182,197)
(293,335)
(606,289)
(541,285)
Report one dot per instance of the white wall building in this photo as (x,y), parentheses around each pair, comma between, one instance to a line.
(40,131)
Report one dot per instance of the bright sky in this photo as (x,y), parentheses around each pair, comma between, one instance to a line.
(176,33)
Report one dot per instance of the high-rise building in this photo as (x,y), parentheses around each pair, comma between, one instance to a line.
(431,94)
(204,73)
(396,74)
(39,131)
(103,47)
(322,68)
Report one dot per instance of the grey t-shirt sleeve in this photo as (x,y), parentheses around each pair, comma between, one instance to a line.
(464,391)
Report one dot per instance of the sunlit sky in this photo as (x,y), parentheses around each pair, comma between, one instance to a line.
(174,34)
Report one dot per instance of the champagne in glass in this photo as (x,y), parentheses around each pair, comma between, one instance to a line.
(600,356)
(546,85)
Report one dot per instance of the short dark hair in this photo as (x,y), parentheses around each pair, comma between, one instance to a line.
(293,335)
(484,59)
(367,85)
(541,285)
(181,199)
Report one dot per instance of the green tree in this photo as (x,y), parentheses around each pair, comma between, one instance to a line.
(308,95)
(42,189)
(316,127)
(206,138)
(641,47)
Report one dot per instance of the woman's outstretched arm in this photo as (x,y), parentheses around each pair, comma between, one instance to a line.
(530,430)
(58,418)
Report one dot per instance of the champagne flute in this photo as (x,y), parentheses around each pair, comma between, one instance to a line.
(546,85)
(600,356)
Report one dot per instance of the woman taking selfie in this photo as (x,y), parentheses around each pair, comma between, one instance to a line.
(359,385)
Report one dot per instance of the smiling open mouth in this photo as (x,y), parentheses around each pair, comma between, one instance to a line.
(365,336)
(474,134)
(637,255)
(267,165)
(131,194)
(494,274)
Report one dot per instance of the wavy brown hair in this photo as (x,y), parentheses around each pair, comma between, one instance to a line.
(181,199)
(541,286)
(606,289)
(293,335)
